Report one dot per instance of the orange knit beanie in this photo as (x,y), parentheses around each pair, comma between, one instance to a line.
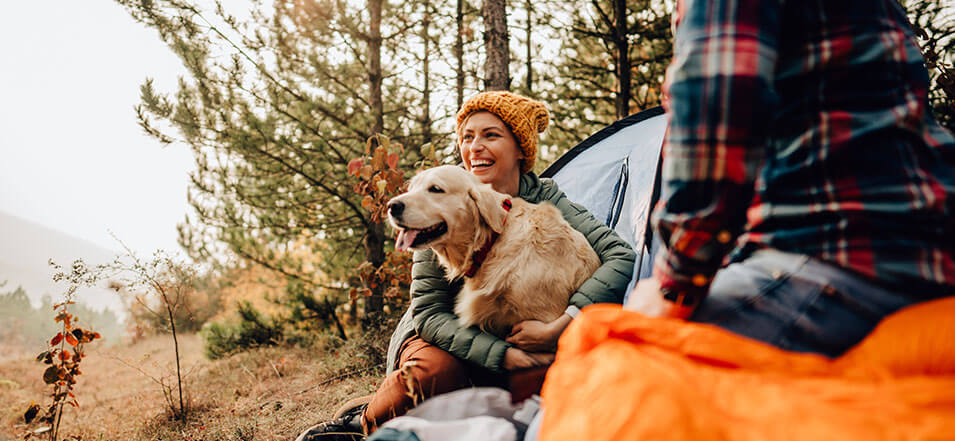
(524,116)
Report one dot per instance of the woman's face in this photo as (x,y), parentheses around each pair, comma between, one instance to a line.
(490,152)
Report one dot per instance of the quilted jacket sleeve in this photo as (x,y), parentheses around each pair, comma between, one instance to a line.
(432,305)
(609,282)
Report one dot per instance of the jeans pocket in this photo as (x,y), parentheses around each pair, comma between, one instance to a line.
(757,301)
(738,287)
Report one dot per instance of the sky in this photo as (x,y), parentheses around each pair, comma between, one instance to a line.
(72,156)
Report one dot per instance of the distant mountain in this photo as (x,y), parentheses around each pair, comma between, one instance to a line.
(27,247)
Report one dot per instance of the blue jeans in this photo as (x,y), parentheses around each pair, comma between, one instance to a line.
(796,303)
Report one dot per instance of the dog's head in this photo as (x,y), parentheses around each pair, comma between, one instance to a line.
(445,205)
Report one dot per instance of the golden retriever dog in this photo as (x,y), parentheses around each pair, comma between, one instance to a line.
(520,261)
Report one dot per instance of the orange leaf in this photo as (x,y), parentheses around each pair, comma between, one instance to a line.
(378,161)
(354,165)
(71,340)
(57,339)
(365,171)
(393,161)
(65,355)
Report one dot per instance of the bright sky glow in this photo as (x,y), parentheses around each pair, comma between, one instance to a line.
(72,156)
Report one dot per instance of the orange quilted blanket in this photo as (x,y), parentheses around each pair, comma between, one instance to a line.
(622,376)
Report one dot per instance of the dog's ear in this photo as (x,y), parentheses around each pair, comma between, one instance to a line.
(490,205)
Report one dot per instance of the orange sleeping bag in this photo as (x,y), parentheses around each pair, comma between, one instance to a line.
(622,376)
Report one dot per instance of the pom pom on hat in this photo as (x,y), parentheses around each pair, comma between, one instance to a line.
(524,116)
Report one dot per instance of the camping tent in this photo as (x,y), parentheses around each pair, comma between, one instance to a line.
(613,173)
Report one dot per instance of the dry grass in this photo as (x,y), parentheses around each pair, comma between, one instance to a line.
(264,394)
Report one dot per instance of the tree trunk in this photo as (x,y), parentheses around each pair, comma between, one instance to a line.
(622,58)
(426,71)
(529,6)
(374,66)
(375,254)
(374,241)
(459,52)
(496,74)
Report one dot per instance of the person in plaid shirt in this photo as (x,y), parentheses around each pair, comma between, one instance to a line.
(802,151)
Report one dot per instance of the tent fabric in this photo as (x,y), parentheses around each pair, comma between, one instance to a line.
(612,173)
(622,376)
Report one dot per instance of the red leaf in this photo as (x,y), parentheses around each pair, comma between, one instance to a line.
(354,165)
(71,340)
(65,355)
(57,339)
(393,161)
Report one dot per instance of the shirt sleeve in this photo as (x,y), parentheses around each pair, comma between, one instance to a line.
(719,91)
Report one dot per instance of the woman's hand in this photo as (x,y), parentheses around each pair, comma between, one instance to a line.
(515,359)
(537,336)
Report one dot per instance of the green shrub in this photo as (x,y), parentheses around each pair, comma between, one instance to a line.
(251,330)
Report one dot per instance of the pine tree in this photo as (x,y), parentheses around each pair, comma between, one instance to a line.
(274,107)
(611,64)
(934,23)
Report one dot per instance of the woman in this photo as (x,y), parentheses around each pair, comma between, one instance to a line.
(497,139)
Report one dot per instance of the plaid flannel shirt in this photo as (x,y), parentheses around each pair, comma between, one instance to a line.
(803,127)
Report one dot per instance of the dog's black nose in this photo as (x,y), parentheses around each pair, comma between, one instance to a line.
(395,208)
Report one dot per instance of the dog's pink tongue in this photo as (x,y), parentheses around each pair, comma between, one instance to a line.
(405,239)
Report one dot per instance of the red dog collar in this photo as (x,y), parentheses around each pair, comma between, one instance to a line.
(478,258)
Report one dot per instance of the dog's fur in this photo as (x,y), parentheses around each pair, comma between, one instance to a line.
(537,262)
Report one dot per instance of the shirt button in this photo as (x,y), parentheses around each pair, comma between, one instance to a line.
(829,291)
(776,274)
(700,280)
(724,237)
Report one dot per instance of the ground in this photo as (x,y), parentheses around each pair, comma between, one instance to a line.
(264,394)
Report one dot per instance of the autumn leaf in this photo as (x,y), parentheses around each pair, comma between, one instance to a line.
(51,375)
(393,161)
(366,171)
(71,340)
(381,185)
(31,413)
(354,165)
(56,339)
(65,355)
(378,161)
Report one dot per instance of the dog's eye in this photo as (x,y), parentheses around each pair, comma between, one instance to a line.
(435,189)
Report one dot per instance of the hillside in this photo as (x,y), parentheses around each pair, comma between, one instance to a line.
(264,394)
(25,250)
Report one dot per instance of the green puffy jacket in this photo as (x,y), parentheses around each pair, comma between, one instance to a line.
(432,317)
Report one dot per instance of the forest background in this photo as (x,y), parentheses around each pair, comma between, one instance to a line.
(304,117)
